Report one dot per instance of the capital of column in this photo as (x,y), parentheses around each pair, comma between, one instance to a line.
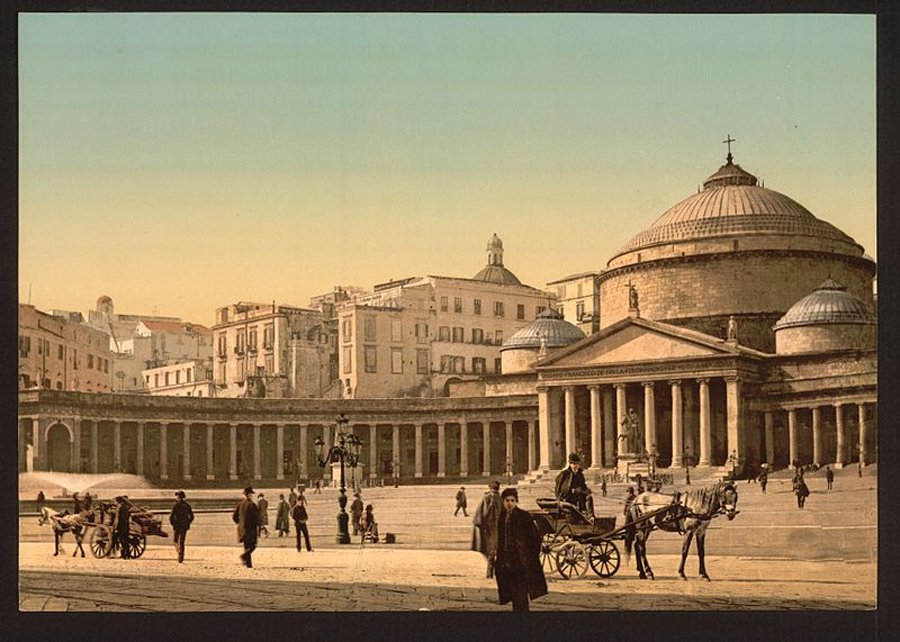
(731,378)
(674,382)
(594,386)
(619,386)
(838,404)
(703,380)
(648,384)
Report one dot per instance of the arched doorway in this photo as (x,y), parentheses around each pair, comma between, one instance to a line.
(59,449)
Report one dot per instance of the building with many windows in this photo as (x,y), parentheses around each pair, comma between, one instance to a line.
(578,300)
(58,354)
(275,351)
(417,336)
(181,378)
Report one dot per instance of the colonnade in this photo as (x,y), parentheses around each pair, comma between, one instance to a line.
(818,455)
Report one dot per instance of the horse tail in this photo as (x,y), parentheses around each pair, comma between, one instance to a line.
(629,534)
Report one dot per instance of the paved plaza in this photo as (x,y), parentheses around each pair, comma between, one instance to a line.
(772,556)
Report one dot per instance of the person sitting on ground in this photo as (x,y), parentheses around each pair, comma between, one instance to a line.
(570,486)
(368,525)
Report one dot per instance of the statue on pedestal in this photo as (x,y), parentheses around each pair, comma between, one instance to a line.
(631,430)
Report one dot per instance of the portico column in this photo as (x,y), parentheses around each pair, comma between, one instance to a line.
(76,445)
(609,429)
(532,451)
(677,425)
(507,425)
(792,435)
(544,427)
(817,437)
(395,450)
(863,436)
(418,450)
(95,457)
(734,412)
(486,460)
(304,451)
(210,446)
(649,417)
(770,436)
(256,468)
(621,439)
(117,446)
(163,450)
(596,433)
(841,458)
(373,451)
(463,448)
(186,449)
(139,464)
(570,421)
(442,450)
(279,451)
(232,451)
(705,435)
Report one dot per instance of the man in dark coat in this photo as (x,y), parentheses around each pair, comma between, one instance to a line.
(246,516)
(486,520)
(801,490)
(518,569)
(356,511)
(829,476)
(570,486)
(299,514)
(180,518)
(122,526)
(461,501)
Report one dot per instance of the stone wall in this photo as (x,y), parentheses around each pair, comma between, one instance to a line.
(822,338)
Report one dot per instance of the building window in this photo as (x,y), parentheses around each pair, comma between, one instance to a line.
(422,362)
(444,333)
(223,345)
(396,361)
(445,304)
(421,332)
(75,359)
(458,335)
(106,366)
(156,380)
(498,337)
(498,362)
(478,365)
(223,315)
(369,329)
(270,363)
(539,309)
(24,345)
(561,309)
(188,373)
(251,344)
(396,330)
(90,362)
(520,311)
(457,304)
(346,330)
(459,364)
(579,310)
(167,378)
(241,342)
(61,352)
(476,306)
(268,336)
(498,309)
(345,357)
(222,372)
(147,378)
(446,363)
(370,356)
(477,335)
(177,377)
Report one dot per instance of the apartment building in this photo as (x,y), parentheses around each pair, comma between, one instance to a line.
(578,300)
(191,378)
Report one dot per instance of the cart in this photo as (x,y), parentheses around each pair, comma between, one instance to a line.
(141,524)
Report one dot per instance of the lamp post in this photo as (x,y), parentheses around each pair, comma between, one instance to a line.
(345,450)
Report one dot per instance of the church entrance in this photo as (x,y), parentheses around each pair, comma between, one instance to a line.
(59,449)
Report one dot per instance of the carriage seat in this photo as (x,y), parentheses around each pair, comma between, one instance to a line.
(550,504)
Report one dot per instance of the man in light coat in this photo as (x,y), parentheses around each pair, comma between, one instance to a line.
(246,516)
(485,520)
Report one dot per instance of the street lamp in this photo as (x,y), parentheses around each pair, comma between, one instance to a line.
(345,450)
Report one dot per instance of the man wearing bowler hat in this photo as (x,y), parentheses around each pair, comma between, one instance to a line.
(246,516)
(180,518)
(570,486)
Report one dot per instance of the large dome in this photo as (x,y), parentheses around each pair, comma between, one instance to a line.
(730,204)
(550,327)
(829,303)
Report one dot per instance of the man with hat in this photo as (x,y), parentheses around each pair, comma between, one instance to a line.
(570,486)
(122,526)
(246,516)
(487,516)
(356,511)
(180,518)
(519,574)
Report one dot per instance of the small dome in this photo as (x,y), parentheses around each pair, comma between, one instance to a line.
(103,300)
(829,303)
(497,274)
(550,327)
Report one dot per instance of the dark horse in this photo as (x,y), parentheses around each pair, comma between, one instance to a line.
(688,513)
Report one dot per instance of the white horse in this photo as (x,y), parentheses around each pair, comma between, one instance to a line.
(64,523)
(688,513)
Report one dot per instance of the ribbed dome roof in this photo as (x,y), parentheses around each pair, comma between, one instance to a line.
(731,202)
(829,303)
(549,325)
(497,274)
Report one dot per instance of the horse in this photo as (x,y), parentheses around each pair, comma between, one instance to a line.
(63,523)
(689,513)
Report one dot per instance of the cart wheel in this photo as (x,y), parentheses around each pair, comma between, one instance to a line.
(137,544)
(101,541)
(604,558)
(549,543)
(572,559)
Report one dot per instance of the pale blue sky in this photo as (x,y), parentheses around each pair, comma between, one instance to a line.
(182,162)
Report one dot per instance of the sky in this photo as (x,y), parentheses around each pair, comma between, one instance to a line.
(182,162)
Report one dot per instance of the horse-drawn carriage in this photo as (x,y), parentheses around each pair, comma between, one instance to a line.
(142,522)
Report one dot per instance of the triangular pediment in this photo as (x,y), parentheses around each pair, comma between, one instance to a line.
(631,341)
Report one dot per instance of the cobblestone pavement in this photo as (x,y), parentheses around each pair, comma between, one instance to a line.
(383,579)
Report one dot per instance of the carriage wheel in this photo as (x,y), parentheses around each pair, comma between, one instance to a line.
(549,543)
(101,541)
(572,559)
(604,558)
(137,544)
